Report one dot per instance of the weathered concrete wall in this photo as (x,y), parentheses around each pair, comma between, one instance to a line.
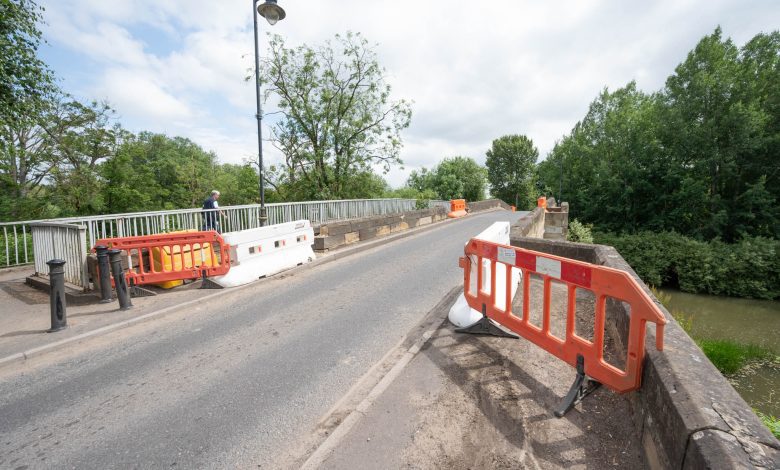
(551,223)
(556,222)
(686,413)
(334,235)
(487,205)
(530,225)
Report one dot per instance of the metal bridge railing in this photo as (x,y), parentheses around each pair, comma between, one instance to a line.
(16,244)
(62,241)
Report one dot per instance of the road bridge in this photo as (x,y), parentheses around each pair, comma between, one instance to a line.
(239,380)
(350,363)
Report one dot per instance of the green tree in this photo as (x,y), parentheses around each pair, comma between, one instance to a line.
(25,81)
(698,157)
(511,162)
(338,120)
(157,172)
(237,183)
(452,178)
(62,149)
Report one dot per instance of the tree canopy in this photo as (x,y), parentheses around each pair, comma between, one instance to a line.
(511,166)
(338,119)
(63,157)
(698,157)
(452,178)
(25,80)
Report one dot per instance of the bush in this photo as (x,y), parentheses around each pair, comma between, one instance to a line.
(579,232)
(749,268)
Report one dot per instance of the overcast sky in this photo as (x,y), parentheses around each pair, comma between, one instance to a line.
(474,70)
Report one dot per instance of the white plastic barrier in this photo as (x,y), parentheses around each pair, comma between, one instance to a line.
(266,250)
(461,315)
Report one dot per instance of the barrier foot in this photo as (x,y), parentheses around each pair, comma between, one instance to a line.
(581,388)
(484,326)
(207,283)
(136,291)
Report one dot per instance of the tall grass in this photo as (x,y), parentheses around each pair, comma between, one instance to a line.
(771,422)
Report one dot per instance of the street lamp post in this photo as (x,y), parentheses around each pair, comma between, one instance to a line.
(272,13)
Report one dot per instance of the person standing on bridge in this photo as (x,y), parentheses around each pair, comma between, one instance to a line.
(212,212)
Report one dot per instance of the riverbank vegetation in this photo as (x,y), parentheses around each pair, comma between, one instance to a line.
(697,157)
(734,360)
(749,267)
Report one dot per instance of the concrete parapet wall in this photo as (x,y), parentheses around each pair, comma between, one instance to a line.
(556,222)
(687,414)
(487,205)
(334,235)
(551,223)
(530,225)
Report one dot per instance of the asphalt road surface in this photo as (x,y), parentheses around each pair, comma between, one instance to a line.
(238,380)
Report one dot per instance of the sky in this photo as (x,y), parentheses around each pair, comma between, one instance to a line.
(474,71)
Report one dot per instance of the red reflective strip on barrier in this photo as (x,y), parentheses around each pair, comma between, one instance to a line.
(579,275)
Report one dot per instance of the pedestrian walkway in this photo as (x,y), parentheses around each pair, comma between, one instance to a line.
(467,402)
(25,313)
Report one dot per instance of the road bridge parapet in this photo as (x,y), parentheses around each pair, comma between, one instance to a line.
(687,414)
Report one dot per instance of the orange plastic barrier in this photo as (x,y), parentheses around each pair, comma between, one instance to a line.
(173,256)
(541,202)
(457,208)
(586,356)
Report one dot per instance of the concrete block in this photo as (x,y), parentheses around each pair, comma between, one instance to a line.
(367,233)
(382,230)
(339,228)
(398,227)
(424,221)
(361,224)
(351,237)
(555,219)
(322,243)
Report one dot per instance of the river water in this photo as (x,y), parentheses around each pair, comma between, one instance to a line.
(744,321)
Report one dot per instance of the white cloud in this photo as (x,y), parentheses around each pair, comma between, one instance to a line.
(474,71)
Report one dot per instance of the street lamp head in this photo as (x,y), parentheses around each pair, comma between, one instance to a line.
(271,11)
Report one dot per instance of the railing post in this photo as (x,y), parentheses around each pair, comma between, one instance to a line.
(105,274)
(59,319)
(119,279)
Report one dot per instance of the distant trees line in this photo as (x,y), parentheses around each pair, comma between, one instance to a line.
(700,157)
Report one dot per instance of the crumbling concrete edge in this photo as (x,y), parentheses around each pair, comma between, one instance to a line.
(686,413)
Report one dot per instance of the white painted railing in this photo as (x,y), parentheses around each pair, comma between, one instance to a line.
(16,247)
(62,241)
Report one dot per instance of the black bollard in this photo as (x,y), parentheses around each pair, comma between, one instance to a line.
(105,274)
(119,279)
(59,319)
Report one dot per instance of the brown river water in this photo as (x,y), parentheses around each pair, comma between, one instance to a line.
(744,321)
